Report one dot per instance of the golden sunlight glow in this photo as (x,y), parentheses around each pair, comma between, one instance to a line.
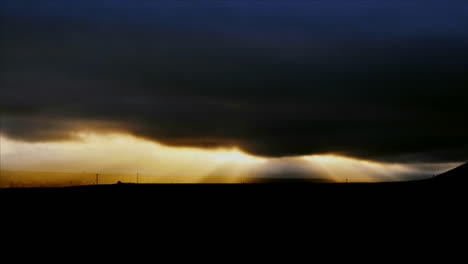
(119,157)
(341,169)
(125,154)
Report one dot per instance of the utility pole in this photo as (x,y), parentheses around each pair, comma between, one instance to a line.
(138,175)
(97,178)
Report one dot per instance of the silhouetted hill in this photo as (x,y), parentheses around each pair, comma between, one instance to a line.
(335,196)
(290,180)
(455,176)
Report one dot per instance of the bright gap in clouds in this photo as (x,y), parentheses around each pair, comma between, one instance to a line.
(121,156)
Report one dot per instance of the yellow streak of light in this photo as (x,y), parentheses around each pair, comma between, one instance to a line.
(119,153)
(121,156)
(342,168)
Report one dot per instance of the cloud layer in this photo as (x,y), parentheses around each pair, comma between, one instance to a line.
(368,79)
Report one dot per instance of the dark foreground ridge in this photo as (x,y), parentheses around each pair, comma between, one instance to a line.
(439,193)
(458,175)
(452,179)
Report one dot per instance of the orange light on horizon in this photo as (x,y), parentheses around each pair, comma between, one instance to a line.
(121,153)
(118,153)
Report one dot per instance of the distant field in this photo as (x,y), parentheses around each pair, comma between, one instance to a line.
(27,179)
(21,179)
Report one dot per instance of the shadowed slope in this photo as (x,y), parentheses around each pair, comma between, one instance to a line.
(457,175)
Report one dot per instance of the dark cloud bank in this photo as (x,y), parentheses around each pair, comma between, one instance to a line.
(382,80)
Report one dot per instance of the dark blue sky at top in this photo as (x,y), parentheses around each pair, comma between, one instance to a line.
(332,18)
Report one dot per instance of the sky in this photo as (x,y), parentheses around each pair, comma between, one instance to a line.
(374,82)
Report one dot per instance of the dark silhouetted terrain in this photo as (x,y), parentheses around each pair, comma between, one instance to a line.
(458,175)
(300,189)
(309,197)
